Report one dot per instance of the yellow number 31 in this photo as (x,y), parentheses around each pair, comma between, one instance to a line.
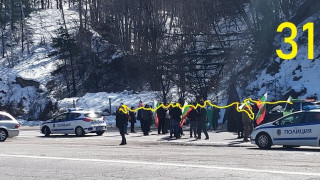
(290,40)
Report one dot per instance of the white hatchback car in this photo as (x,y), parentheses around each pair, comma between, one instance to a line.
(297,129)
(75,122)
(9,126)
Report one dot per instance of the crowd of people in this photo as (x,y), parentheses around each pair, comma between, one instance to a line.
(169,121)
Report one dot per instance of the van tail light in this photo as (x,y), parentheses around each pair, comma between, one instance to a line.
(17,126)
(87,120)
(104,119)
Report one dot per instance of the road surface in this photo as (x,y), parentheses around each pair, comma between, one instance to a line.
(32,156)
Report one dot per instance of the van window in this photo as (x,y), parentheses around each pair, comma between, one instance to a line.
(313,117)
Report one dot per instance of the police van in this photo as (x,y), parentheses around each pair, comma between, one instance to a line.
(301,128)
(76,122)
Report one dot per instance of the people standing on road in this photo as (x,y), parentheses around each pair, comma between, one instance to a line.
(193,116)
(146,119)
(126,127)
(161,112)
(139,115)
(175,114)
(181,130)
(132,119)
(121,123)
(246,125)
(209,124)
(203,119)
(152,120)
(239,124)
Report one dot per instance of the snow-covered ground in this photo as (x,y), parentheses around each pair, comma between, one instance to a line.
(100,101)
(28,123)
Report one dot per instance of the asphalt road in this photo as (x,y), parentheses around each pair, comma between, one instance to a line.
(32,156)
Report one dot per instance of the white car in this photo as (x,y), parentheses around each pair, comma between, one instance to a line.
(9,126)
(75,122)
(297,129)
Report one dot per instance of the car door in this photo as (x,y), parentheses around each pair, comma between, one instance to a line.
(312,128)
(72,121)
(288,130)
(58,125)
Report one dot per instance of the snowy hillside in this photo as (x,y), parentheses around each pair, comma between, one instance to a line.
(299,76)
(27,80)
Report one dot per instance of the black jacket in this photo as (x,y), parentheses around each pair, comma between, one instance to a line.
(139,115)
(121,119)
(175,113)
(203,115)
(161,112)
(146,115)
(132,117)
(193,115)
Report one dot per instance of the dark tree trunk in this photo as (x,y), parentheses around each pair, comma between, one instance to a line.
(80,15)
(42,4)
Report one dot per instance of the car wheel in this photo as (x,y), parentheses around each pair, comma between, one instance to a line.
(46,131)
(99,133)
(79,131)
(263,140)
(3,135)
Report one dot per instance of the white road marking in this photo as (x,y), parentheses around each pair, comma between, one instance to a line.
(166,164)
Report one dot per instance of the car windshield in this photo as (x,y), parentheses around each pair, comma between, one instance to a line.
(93,115)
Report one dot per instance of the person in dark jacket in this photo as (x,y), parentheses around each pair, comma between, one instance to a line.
(239,125)
(146,119)
(203,119)
(175,114)
(139,115)
(161,113)
(121,123)
(132,119)
(193,116)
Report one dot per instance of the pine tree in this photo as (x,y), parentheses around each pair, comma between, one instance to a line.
(67,48)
